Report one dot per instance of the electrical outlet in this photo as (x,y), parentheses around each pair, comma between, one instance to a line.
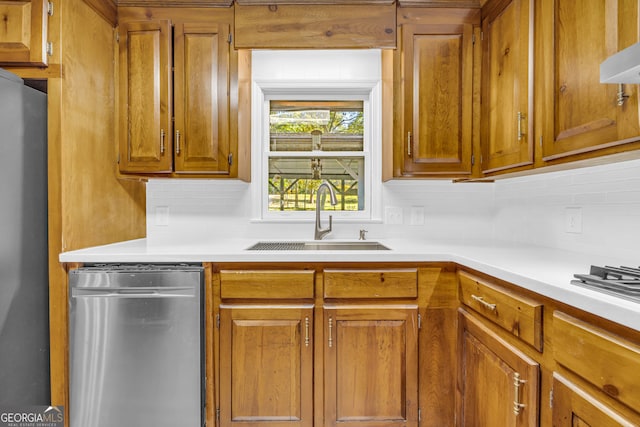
(573,220)
(162,216)
(393,215)
(417,215)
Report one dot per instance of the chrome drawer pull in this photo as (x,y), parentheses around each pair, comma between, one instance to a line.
(306,331)
(330,332)
(485,304)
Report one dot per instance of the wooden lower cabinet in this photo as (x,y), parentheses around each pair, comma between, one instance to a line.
(266,365)
(371,365)
(498,384)
(574,407)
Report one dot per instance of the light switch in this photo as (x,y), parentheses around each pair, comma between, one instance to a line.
(393,215)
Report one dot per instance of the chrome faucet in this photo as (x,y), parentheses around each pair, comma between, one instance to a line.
(320,232)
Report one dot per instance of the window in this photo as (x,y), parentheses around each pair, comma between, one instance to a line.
(311,142)
(306,132)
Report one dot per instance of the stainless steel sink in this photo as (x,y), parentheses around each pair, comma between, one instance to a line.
(319,245)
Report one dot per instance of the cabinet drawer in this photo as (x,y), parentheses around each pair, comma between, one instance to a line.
(266,284)
(516,314)
(389,283)
(609,362)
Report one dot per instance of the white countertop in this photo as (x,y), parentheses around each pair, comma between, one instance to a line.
(543,270)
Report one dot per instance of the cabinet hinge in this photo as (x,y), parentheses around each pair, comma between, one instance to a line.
(229,38)
(218,414)
(419,321)
(50,8)
(230,159)
(50,48)
(217,321)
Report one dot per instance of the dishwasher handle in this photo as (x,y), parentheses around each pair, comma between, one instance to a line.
(137,292)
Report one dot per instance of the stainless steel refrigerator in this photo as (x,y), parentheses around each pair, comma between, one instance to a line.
(24,296)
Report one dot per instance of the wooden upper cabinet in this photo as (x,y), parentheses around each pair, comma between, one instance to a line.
(315,26)
(578,113)
(440,3)
(183,3)
(436,91)
(315,2)
(506,131)
(23,32)
(145,97)
(201,135)
(175,88)
(371,365)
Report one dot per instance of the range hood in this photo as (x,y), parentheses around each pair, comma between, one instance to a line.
(622,67)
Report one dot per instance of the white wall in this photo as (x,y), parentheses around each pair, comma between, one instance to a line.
(528,209)
(534,209)
(205,210)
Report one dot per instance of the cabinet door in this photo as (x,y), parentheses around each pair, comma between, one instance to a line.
(437,63)
(201,136)
(145,97)
(371,366)
(578,113)
(506,140)
(498,383)
(573,407)
(23,33)
(266,365)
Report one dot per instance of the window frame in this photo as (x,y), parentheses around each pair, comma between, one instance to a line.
(368,92)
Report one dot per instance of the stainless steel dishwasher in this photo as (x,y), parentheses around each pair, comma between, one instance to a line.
(136,346)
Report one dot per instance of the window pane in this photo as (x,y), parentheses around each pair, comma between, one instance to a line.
(316,125)
(293,183)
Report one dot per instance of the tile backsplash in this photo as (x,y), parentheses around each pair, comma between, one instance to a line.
(537,209)
(601,202)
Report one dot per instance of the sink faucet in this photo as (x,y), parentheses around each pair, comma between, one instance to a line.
(320,232)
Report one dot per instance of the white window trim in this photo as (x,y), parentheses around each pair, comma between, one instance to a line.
(370,91)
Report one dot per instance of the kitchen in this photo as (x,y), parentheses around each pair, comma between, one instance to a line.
(90,206)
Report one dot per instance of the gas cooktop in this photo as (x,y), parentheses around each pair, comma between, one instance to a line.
(623,282)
